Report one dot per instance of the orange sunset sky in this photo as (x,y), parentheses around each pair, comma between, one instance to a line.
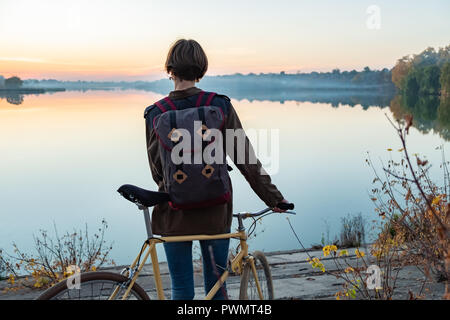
(128,40)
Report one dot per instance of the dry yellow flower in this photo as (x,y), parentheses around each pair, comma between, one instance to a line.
(359,253)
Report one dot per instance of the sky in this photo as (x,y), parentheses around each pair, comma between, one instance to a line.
(129,40)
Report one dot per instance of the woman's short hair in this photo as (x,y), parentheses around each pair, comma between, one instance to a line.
(186,60)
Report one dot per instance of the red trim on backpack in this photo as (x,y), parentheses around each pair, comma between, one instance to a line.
(210,97)
(170,102)
(220,200)
(199,99)
(160,107)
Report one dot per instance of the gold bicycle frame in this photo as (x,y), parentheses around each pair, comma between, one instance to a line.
(150,250)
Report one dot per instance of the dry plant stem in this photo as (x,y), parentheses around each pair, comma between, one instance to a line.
(401,134)
(443,233)
(340,267)
(396,176)
(393,197)
(415,181)
(446,173)
(387,259)
(52,256)
(342,275)
(427,179)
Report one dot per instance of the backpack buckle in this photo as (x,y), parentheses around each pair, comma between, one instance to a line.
(207,171)
(174,135)
(180,176)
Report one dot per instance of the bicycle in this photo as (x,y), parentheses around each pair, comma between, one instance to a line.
(256,279)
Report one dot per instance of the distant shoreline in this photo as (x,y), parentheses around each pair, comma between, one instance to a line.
(380,96)
(30,90)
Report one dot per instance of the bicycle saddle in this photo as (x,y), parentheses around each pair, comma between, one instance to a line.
(143,197)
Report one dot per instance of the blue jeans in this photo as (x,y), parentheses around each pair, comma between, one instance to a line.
(179,259)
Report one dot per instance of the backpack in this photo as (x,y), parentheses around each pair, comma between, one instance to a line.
(196,182)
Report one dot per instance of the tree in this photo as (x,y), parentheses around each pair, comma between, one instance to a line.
(445,79)
(429,82)
(336,71)
(427,57)
(411,85)
(13,83)
(426,66)
(400,71)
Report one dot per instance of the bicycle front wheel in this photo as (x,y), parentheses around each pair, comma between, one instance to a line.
(95,286)
(249,290)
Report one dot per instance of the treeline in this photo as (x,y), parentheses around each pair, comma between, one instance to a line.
(10,83)
(426,73)
(423,82)
(366,76)
(335,79)
(258,86)
(78,84)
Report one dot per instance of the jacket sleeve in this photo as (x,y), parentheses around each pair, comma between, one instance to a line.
(259,181)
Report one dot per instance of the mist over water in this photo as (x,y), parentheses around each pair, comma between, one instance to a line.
(65,154)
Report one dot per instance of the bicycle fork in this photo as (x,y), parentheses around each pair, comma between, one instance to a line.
(255,275)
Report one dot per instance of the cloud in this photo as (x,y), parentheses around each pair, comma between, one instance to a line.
(39,60)
(23,59)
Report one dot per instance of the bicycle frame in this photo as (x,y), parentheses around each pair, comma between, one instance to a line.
(149,248)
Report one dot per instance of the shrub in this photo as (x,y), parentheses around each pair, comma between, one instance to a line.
(352,231)
(53,257)
(415,209)
(3,266)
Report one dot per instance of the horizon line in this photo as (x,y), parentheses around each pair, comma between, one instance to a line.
(206,76)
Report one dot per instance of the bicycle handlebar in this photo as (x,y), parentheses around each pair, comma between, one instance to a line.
(285,206)
(282,206)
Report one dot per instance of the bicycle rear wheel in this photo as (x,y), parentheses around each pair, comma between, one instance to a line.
(95,286)
(249,290)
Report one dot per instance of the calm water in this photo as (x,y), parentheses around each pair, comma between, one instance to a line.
(64,155)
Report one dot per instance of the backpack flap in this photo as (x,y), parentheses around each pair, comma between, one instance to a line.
(195,184)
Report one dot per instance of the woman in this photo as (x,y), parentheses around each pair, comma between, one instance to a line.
(186,64)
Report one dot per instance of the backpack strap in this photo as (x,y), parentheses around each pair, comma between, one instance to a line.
(210,97)
(199,99)
(167,100)
(172,106)
(170,103)
(160,106)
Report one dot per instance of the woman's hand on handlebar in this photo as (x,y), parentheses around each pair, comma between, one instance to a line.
(283,206)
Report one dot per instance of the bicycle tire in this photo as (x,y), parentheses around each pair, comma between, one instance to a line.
(264,277)
(57,291)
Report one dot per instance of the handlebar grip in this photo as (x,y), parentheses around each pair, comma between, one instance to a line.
(285,206)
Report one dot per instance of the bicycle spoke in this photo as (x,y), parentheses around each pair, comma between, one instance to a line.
(101,290)
(95,290)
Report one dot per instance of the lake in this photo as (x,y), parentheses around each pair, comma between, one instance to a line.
(63,156)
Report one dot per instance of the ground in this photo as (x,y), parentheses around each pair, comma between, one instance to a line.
(293,278)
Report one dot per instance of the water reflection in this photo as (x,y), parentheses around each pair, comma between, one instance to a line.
(350,96)
(17,96)
(335,97)
(12,97)
(430,113)
(65,154)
